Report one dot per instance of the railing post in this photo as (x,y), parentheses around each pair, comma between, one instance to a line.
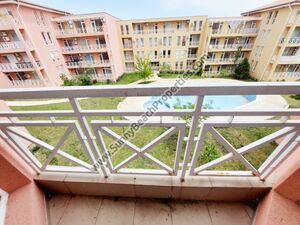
(192,132)
(87,131)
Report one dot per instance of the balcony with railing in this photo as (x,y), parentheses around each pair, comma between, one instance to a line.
(194,43)
(26,83)
(129,58)
(289,59)
(192,56)
(232,32)
(291,41)
(128,45)
(221,60)
(7,22)
(94,63)
(75,156)
(84,48)
(231,47)
(89,31)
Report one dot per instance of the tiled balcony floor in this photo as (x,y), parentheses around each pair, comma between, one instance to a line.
(80,210)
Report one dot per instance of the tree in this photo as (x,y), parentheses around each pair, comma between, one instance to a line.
(143,67)
(199,66)
(237,55)
(165,68)
(242,71)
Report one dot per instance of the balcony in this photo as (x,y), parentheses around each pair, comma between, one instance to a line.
(194,43)
(287,74)
(79,32)
(84,49)
(289,59)
(26,83)
(231,47)
(95,63)
(233,32)
(222,60)
(291,41)
(129,58)
(192,56)
(7,22)
(101,76)
(90,170)
(128,45)
(15,67)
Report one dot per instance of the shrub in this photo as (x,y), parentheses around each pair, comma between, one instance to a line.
(80,80)
(225,73)
(242,71)
(143,67)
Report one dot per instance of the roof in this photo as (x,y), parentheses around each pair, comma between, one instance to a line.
(163,19)
(276,4)
(33,5)
(82,16)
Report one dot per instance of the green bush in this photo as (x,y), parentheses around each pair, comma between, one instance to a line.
(225,73)
(80,80)
(242,71)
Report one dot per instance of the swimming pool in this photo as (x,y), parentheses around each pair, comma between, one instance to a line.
(210,102)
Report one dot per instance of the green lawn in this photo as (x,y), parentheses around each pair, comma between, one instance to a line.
(294,103)
(164,151)
(126,78)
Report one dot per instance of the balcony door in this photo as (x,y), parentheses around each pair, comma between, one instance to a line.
(89,58)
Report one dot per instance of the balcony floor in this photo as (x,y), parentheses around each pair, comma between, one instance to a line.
(79,210)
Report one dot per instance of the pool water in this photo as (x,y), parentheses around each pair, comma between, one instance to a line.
(210,102)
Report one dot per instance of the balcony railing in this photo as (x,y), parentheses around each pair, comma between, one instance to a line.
(83,48)
(90,132)
(130,69)
(286,58)
(222,60)
(194,43)
(231,46)
(7,22)
(129,58)
(101,76)
(27,83)
(16,66)
(236,31)
(88,63)
(287,74)
(11,45)
(128,45)
(192,56)
(78,31)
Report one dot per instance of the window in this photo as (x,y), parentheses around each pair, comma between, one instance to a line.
(169,53)
(49,37)
(274,17)
(254,65)
(122,30)
(37,19)
(200,25)
(178,40)
(150,42)
(127,29)
(169,41)
(43,18)
(3,203)
(195,26)
(44,37)
(269,17)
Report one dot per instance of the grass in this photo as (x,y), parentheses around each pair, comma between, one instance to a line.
(126,78)
(293,101)
(165,151)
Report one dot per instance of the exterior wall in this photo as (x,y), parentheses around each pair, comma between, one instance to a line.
(281,205)
(31,22)
(166,32)
(81,42)
(274,38)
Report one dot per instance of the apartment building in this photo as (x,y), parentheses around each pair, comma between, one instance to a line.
(28,52)
(89,44)
(39,44)
(176,42)
(276,52)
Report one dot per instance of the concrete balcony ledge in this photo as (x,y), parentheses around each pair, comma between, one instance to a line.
(140,186)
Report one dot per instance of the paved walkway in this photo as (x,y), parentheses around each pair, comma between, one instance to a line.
(80,210)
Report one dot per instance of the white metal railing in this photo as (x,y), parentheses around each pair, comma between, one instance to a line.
(290,58)
(16,66)
(287,74)
(101,76)
(90,132)
(236,31)
(80,48)
(222,60)
(128,45)
(11,45)
(75,31)
(192,55)
(129,58)
(294,40)
(88,63)
(27,83)
(130,69)
(231,46)
(194,43)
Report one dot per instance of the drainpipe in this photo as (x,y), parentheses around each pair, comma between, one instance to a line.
(28,52)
